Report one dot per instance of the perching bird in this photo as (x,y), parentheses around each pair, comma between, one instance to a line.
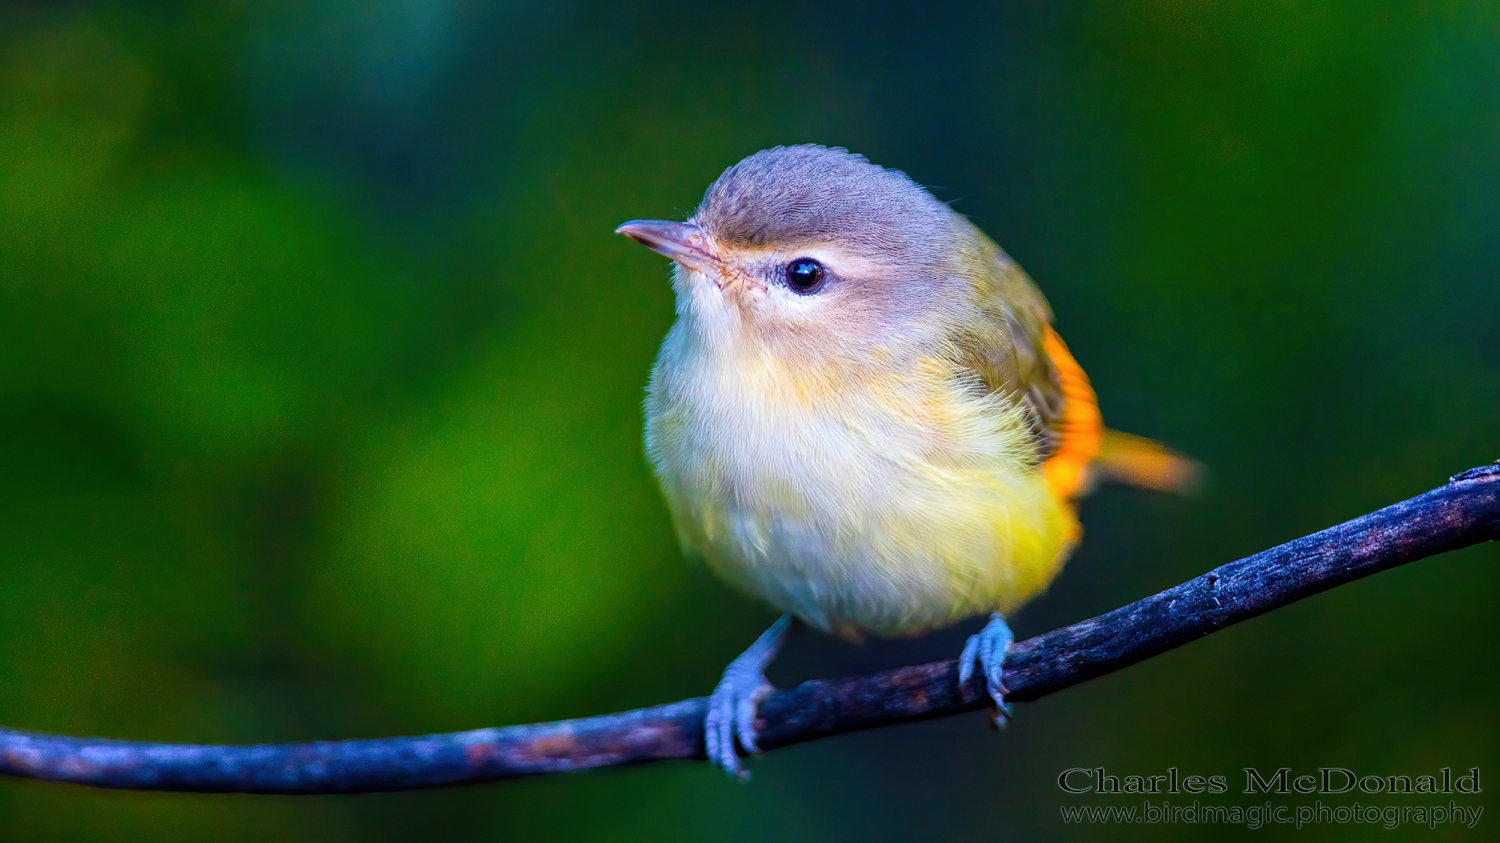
(863,416)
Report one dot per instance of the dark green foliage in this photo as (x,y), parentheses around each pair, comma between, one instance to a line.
(321,370)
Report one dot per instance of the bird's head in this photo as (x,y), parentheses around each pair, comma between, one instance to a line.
(810,252)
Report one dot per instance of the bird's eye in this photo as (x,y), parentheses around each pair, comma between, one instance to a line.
(804,275)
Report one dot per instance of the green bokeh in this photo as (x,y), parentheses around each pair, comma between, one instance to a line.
(321,372)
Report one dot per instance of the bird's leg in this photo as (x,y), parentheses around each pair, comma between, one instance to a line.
(987,649)
(731,707)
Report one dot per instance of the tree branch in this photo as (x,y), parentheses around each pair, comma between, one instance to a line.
(1466,511)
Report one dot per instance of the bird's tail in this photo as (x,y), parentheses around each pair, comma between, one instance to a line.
(1088,452)
(1137,461)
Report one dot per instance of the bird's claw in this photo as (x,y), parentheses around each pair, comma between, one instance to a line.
(731,716)
(986,649)
(732,705)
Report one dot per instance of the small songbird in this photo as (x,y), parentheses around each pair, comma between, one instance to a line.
(863,416)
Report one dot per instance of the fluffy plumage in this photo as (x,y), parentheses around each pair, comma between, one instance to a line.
(868,457)
(863,416)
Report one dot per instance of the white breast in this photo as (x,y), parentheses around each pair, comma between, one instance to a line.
(890,508)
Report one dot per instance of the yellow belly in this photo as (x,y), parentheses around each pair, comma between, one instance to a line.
(919,559)
(889,507)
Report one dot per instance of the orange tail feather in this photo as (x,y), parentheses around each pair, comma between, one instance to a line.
(1137,461)
(1082,427)
(1088,452)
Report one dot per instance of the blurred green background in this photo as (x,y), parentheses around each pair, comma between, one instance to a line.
(321,374)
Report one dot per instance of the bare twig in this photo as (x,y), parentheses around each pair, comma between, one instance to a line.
(1466,511)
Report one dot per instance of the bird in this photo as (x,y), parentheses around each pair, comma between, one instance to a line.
(863,416)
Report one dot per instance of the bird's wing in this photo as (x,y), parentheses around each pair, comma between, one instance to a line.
(1009,347)
(1018,354)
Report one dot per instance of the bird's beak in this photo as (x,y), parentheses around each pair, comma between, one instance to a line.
(681,241)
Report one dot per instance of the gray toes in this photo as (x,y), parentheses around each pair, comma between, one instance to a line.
(967,658)
(718,731)
(987,648)
(731,707)
(744,717)
(731,716)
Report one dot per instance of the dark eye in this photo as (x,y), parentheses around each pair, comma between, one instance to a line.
(804,275)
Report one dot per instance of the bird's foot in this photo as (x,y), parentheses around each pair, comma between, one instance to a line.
(731,707)
(986,648)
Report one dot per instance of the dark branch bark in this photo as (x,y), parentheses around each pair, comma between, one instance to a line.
(1466,511)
